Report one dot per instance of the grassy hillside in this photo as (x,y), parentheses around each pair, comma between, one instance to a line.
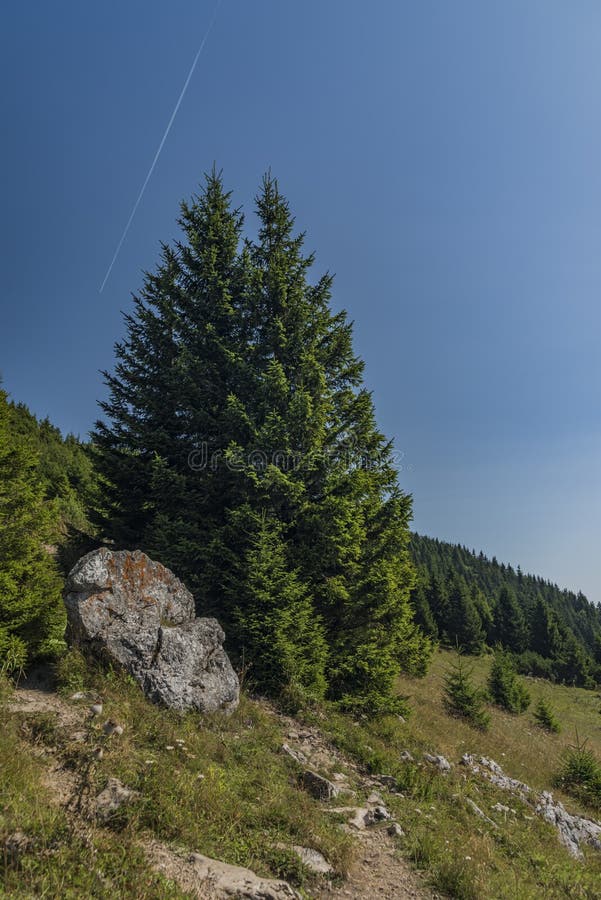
(463,855)
(223,787)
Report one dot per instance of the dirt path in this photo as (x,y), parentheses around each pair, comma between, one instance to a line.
(377,871)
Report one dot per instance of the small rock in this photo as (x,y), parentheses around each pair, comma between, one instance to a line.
(213,878)
(361,819)
(296,755)
(406,756)
(318,786)
(381,814)
(395,830)
(388,781)
(313,860)
(96,709)
(402,720)
(375,799)
(441,762)
(78,737)
(112,798)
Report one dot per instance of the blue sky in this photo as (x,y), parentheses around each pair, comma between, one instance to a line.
(445,161)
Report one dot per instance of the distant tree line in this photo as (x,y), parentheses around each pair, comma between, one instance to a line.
(465,599)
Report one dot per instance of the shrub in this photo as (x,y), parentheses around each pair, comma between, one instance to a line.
(545,716)
(505,688)
(580,774)
(462,697)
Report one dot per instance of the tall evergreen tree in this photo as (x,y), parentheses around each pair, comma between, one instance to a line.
(510,629)
(231,352)
(463,626)
(32,620)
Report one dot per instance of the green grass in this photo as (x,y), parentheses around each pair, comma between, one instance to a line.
(219,785)
(62,860)
(464,856)
(227,790)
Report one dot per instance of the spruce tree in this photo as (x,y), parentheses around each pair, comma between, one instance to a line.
(32,619)
(545,717)
(234,360)
(462,697)
(422,613)
(510,628)
(506,689)
(277,627)
(463,625)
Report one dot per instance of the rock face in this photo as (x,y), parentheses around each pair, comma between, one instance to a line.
(123,606)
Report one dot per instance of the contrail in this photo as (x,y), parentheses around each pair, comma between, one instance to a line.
(158,153)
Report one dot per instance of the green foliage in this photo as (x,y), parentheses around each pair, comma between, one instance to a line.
(71,672)
(461,621)
(509,623)
(65,467)
(580,773)
(237,395)
(506,689)
(32,619)
(552,633)
(461,696)
(276,624)
(545,717)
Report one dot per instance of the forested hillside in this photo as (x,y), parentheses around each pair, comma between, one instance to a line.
(464,598)
(64,466)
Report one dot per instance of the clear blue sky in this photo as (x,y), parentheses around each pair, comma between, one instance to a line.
(445,159)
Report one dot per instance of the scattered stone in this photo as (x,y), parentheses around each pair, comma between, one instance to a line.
(406,756)
(573,830)
(388,781)
(296,755)
(482,815)
(441,762)
(313,860)
(78,737)
(395,830)
(318,786)
(96,709)
(374,799)
(493,772)
(362,819)
(112,798)
(123,606)
(200,876)
(381,814)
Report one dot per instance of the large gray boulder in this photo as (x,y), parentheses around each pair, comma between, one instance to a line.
(126,608)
